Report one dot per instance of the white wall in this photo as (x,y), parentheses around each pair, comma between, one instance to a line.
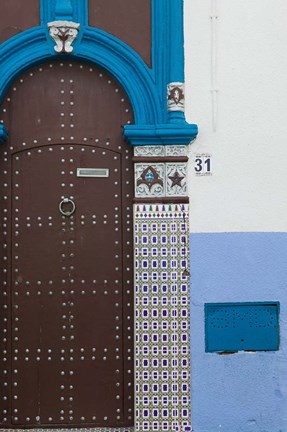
(247,191)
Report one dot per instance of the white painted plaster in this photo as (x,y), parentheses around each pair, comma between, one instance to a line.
(247,191)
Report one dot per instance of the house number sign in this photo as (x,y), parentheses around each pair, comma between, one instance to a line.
(203,165)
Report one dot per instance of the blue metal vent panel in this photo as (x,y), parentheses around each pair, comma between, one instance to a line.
(241,326)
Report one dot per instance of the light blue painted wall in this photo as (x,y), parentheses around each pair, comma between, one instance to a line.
(244,392)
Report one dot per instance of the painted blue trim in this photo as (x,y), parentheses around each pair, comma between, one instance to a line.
(176,42)
(145,88)
(3,134)
(128,68)
(168,49)
(160,134)
(31,48)
(64,9)
(160,47)
(70,10)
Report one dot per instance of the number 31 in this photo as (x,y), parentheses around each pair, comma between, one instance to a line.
(202,164)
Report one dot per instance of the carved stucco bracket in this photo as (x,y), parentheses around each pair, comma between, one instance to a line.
(175,96)
(64,34)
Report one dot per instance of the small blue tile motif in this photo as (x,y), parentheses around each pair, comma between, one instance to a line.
(149,177)
(241,327)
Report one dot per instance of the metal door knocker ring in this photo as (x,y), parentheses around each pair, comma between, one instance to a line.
(70,203)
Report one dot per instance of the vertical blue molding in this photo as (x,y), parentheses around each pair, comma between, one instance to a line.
(66,10)
(176,42)
(168,66)
(176,58)
(168,50)
(160,55)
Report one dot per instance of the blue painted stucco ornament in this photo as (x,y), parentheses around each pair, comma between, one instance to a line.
(64,31)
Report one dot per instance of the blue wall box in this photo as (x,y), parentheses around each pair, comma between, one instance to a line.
(241,327)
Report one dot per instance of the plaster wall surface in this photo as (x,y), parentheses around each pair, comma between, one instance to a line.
(238,215)
(247,191)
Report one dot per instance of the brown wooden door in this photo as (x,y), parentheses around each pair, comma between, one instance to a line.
(67,294)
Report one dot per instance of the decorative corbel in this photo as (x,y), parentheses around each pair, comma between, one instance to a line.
(175,96)
(64,34)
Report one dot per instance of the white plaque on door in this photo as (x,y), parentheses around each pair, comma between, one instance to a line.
(92,172)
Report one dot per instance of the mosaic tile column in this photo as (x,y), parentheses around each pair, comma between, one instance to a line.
(162,358)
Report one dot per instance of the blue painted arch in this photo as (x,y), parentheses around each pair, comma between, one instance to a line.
(146,88)
(34,46)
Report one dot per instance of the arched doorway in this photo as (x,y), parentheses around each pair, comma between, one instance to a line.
(66,210)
